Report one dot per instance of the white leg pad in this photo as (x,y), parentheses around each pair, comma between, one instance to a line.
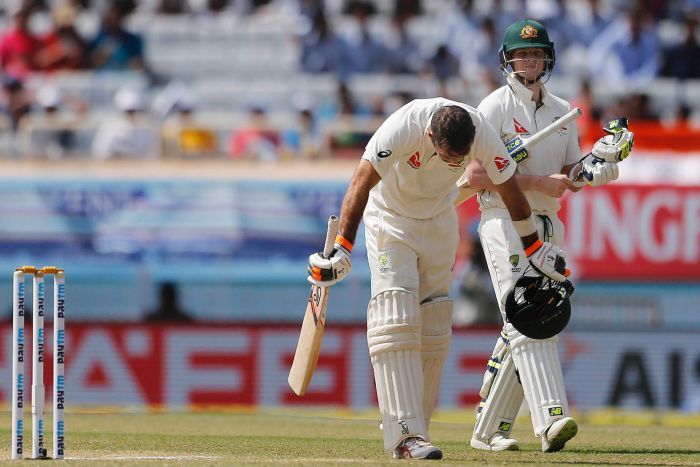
(502,395)
(540,373)
(393,336)
(436,335)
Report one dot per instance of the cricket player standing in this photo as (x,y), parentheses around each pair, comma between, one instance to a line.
(405,187)
(521,365)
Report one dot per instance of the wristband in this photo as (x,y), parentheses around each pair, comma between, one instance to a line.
(342,241)
(533,248)
(526,226)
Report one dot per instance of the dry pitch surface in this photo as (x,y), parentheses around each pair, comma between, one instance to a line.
(312,437)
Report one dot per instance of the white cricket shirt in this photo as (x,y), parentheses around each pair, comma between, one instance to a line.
(511,111)
(415,182)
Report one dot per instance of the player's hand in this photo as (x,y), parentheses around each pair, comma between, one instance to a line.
(547,259)
(324,272)
(597,172)
(614,147)
(555,185)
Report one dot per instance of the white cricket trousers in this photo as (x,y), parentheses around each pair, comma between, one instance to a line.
(412,254)
(536,361)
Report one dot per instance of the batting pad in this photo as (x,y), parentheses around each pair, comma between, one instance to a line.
(393,336)
(543,383)
(436,334)
(501,395)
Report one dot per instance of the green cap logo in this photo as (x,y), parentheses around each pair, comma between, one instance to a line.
(528,32)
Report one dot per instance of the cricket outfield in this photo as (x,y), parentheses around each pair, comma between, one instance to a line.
(326,437)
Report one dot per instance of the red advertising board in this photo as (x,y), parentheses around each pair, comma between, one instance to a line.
(634,232)
(199,365)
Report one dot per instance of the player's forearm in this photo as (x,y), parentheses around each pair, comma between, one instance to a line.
(355,201)
(517,205)
(478,178)
(530,182)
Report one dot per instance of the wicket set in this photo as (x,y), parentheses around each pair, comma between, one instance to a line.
(18,354)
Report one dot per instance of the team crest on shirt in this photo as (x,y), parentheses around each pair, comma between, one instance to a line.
(501,163)
(384,262)
(514,260)
(519,128)
(561,131)
(414,160)
(528,32)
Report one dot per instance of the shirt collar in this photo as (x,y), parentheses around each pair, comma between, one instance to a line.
(524,93)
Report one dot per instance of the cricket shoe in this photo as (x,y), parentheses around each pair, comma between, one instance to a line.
(416,448)
(498,442)
(558,434)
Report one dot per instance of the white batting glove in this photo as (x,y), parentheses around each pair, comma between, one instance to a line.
(547,259)
(614,147)
(597,172)
(324,272)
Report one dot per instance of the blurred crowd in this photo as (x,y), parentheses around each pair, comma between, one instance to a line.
(622,44)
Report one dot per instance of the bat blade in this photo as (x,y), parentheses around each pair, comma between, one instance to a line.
(310,339)
(312,328)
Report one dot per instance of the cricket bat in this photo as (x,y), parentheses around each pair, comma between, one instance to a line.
(311,336)
(517,150)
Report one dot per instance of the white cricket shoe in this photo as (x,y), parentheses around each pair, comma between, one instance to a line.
(498,442)
(558,434)
(416,448)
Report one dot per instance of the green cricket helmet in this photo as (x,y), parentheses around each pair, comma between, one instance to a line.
(523,34)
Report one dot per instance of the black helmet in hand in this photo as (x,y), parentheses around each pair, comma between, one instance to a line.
(538,306)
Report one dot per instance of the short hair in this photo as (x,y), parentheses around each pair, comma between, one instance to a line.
(453,129)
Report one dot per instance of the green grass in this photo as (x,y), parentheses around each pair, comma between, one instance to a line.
(313,437)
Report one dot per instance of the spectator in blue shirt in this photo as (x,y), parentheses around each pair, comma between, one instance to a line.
(682,60)
(368,54)
(587,26)
(404,50)
(322,50)
(627,53)
(115,48)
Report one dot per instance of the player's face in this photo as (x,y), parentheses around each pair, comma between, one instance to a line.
(528,63)
(448,156)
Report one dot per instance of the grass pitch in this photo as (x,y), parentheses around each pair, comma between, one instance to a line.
(314,437)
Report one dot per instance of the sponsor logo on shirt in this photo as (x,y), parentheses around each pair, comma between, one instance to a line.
(383,154)
(561,131)
(414,160)
(519,129)
(501,163)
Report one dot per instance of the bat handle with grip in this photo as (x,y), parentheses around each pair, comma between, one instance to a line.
(333,225)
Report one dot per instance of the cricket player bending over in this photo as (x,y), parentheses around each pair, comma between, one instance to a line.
(405,187)
(521,365)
